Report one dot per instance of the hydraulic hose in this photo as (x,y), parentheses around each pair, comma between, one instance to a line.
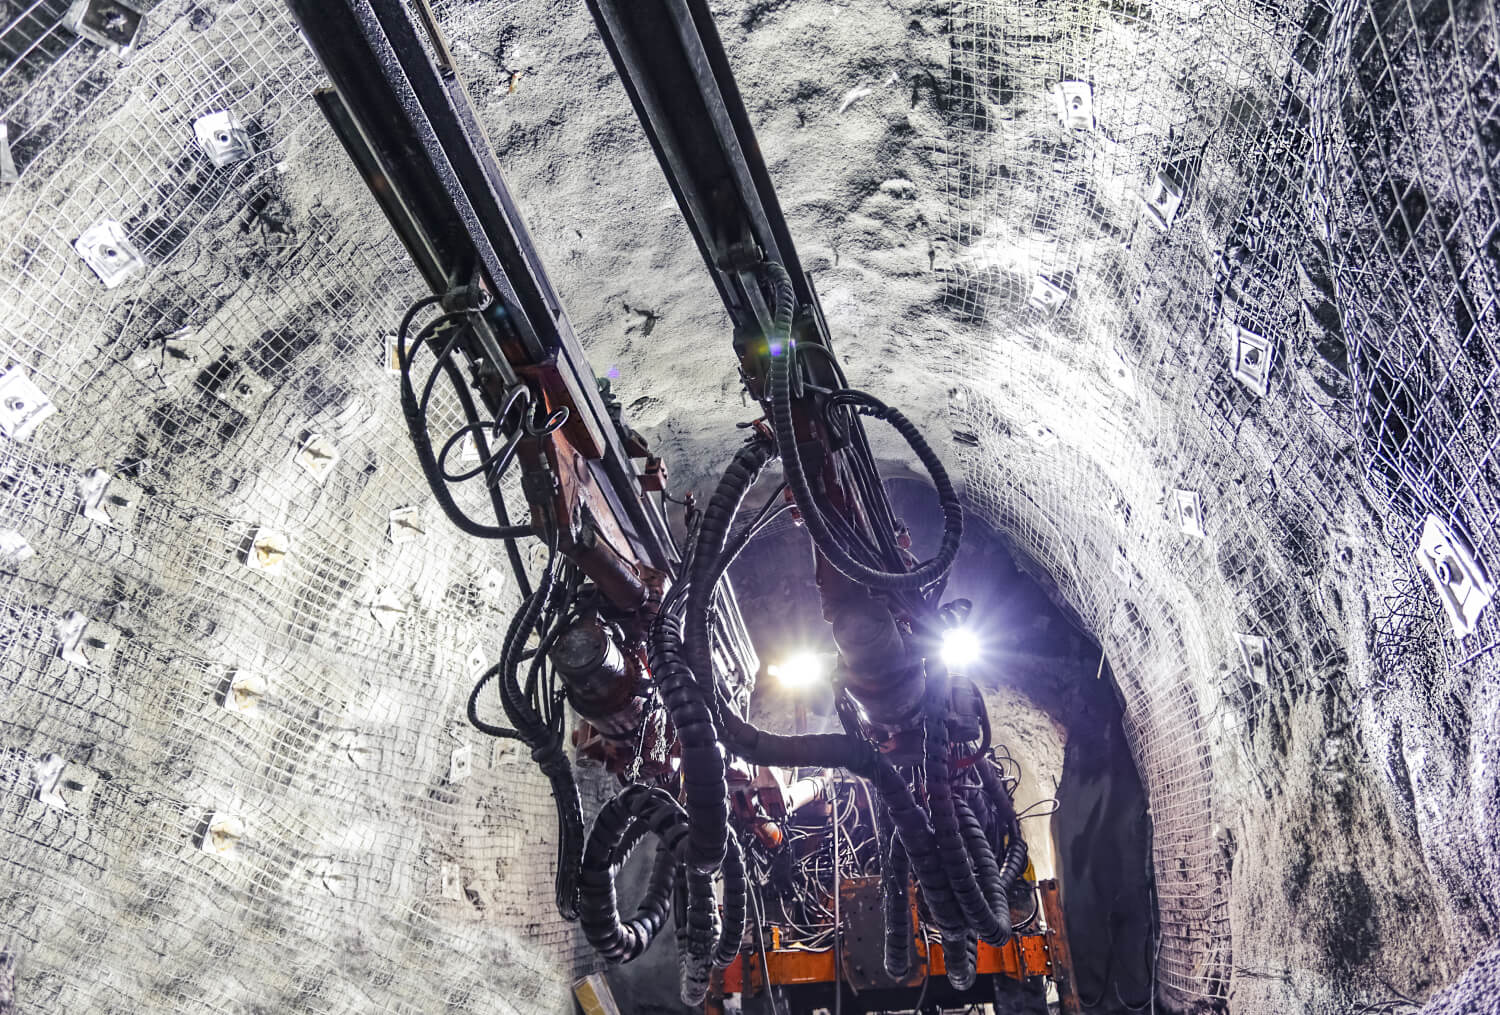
(780,750)
(710,560)
(546,746)
(912,825)
(1015,853)
(699,935)
(894,879)
(956,856)
(713,533)
(782,355)
(735,894)
(982,855)
(703,781)
(620,824)
(416,426)
(961,956)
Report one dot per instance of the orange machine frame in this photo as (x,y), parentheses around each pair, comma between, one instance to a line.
(1022,957)
(1019,958)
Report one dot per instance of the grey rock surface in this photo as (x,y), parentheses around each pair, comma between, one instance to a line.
(1325,825)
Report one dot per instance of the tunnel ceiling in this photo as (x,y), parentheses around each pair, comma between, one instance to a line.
(1198,297)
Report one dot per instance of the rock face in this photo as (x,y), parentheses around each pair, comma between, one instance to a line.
(1199,298)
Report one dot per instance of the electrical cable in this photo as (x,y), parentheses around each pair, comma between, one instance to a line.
(783,352)
(416,422)
(838,973)
(545,743)
(760,935)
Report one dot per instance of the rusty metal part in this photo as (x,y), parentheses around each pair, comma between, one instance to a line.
(604,683)
(654,479)
(761,797)
(861,957)
(558,478)
(654,746)
(1057,943)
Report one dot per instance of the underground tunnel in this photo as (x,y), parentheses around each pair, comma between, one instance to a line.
(782,506)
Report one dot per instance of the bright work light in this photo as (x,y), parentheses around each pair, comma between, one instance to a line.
(800,671)
(960,647)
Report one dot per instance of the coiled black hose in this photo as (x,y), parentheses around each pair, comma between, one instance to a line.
(1015,853)
(894,879)
(982,855)
(780,750)
(707,812)
(698,934)
(629,816)
(735,895)
(837,554)
(710,560)
(912,825)
(713,533)
(961,957)
(703,782)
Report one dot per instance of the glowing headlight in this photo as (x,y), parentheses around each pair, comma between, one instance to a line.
(801,670)
(960,648)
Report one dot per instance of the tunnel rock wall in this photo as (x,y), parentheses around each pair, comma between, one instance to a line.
(1285,662)
(244,788)
(1324,817)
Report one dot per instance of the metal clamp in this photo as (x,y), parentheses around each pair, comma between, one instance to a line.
(223,138)
(113,24)
(106,249)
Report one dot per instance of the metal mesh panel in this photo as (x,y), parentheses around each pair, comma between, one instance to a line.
(345,842)
(1320,179)
(1329,189)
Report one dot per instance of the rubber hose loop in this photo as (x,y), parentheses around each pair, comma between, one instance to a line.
(621,823)
(784,428)
(546,747)
(416,428)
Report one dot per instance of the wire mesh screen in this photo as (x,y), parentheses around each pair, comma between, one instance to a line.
(235,773)
(1217,260)
(1209,262)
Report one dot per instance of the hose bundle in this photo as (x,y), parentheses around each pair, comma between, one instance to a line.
(981,914)
(958,839)
(838,551)
(546,743)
